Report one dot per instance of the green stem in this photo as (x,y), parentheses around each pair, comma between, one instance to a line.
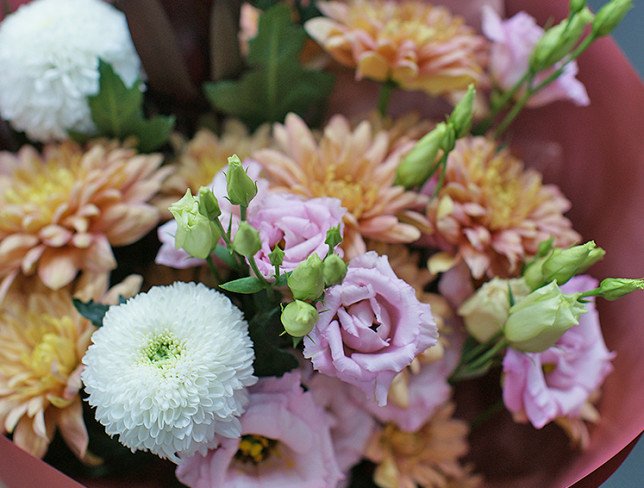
(242,213)
(481,360)
(213,269)
(253,266)
(499,105)
(385,95)
(487,414)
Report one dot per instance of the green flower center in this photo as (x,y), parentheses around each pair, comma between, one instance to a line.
(255,448)
(163,349)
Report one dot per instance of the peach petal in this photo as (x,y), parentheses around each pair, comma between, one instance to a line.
(72,428)
(54,235)
(57,269)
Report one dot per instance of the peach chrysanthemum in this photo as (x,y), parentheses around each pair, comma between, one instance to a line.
(60,212)
(417,45)
(492,213)
(204,155)
(356,166)
(42,341)
(427,458)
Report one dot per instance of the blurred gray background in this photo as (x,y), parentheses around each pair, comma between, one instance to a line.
(630,37)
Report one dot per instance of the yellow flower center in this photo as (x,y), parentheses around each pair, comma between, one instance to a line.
(255,448)
(356,196)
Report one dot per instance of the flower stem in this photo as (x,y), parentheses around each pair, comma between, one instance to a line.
(385,94)
(213,269)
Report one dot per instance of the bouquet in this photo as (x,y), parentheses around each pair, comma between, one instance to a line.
(312,244)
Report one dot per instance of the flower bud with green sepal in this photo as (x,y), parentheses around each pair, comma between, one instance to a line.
(461,117)
(306,282)
(247,241)
(299,318)
(208,204)
(614,288)
(196,234)
(335,269)
(609,17)
(420,163)
(536,322)
(240,187)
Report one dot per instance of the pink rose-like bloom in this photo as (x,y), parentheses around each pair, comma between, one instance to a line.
(576,367)
(371,326)
(351,425)
(302,456)
(512,43)
(298,223)
(170,256)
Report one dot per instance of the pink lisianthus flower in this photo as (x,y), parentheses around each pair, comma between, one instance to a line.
(169,255)
(371,326)
(293,432)
(351,425)
(297,224)
(558,381)
(512,43)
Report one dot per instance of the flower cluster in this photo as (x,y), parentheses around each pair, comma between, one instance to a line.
(343,273)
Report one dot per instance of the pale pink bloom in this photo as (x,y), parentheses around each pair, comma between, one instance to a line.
(285,443)
(356,166)
(557,382)
(371,327)
(418,45)
(492,213)
(42,341)
(61,212)
(513,41)
(351,425)
(297,224)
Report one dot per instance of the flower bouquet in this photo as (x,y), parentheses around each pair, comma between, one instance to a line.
(317,243)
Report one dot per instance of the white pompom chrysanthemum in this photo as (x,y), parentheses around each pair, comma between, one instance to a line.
(169,369)
(49,52)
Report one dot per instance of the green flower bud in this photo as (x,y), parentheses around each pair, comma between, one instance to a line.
(563,264)
(299,318)
(420,163)
(196,234)
(559,40)
(577,6)
(240,187)
(609,16)
(335,269)
(461,117)
(246,241)
(307,280)
(614,288)
(208,204)
(485,312)
(537,321)
(276,256)
(333,237)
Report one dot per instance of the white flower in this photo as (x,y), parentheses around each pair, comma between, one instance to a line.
(169,369)
(49,51)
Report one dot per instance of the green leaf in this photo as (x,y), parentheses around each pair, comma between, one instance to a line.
(91,310)
(154,132)
(276,83)
(246,285)
(270,359)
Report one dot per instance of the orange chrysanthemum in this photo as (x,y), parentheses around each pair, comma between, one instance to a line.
(356,166)
(204,155)
(42,342)
(417,45)
(427,458)
(61,212)
(492,213)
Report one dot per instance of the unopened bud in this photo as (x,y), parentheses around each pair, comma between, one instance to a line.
(333,237)
(208,204)
(609,16)
(247,241)
(196,234)
(276,256)
(614,288)
(461,116)
(335,269)
(240,187)
(577,6)
(306,281)
(420,163)
(299,318)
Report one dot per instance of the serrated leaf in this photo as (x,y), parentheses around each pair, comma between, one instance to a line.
(91,310)
(270,359)
(246,285)
(115,108)
(277,38)
(154,132)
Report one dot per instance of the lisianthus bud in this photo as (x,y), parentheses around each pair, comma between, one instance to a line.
(420,163)
(562,264)
(298,318)
(247,241)
(461,116)
(333,237)
(208,204)
(276,256)
(614,288)
(557,41)
(609,16)
(537,321)
(196,234)
(307,279)
(240,187)
(485,312)
(577,5)
(335,269)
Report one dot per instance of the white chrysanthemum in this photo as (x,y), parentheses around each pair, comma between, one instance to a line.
(169,369)
(49,51)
